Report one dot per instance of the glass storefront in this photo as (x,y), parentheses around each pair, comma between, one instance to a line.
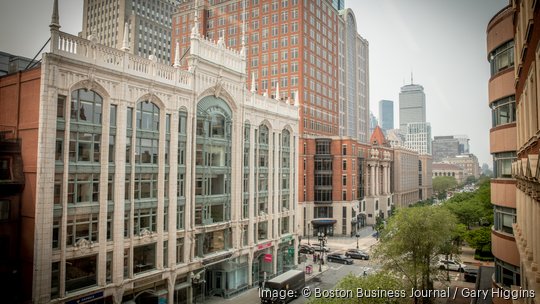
(285,257)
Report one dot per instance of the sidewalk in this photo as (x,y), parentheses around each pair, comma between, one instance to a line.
(342,243)
(251,295)
(467,257)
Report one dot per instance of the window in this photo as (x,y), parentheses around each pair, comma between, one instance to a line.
(84,147)
(502,57)
(144,258)
(503,111)
(60,106)
(86,107)
(504,218)
(55,280)
(81,273)
(323,212)
(83,188)
(502,164)
(81,226)
(144,219)
(4,210)
(262,231)
(322,147)
(179,250)
(506,274)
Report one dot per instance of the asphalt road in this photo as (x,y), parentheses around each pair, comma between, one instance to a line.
(335,273)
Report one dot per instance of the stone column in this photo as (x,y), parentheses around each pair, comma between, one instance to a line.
(372,177)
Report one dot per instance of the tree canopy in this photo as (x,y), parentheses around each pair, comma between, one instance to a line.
(411,242)
(381,281)
(441,184)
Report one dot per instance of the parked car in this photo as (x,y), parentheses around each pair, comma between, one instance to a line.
(339,258)
(306,249)
(470,274)
(357,254)
(318,248)
(451,265)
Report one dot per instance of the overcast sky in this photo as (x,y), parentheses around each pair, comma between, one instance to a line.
(443,42)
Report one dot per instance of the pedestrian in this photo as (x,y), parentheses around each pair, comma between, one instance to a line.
(314,258)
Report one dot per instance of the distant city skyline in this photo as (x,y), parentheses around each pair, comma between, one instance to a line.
(444,47)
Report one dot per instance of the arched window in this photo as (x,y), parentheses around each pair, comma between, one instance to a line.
(86,107)
(213,165)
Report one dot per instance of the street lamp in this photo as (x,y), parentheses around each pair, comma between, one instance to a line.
(321,244)
(357,233)
(308,234)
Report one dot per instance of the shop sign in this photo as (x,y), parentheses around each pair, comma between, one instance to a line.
(291,251)
(162,300)
(268,257)
(87,298)
(287,238)
(264,246)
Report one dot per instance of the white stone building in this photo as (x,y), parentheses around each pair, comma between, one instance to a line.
(159,182)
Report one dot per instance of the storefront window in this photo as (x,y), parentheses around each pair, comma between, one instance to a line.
(144,258)
(80,273)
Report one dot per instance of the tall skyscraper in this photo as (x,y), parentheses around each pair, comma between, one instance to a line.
(386,114)
(316,55)
(412,105)
(148,23)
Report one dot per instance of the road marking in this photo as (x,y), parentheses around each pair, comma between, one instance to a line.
(337,268)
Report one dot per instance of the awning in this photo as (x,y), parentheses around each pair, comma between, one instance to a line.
(323,222)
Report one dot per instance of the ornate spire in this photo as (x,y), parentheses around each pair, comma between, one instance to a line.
(253,88)
(177,55)
(244,17)
(55,18)
(125,43)
(277,91)
(195,28)
(297,99)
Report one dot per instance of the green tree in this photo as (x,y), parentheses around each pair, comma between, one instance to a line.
(479,239)
(382,281)
(411,242)
(441,184)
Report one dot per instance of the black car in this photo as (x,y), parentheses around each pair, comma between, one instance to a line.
(306,249)
(357,254)
(339,258)
(470,274)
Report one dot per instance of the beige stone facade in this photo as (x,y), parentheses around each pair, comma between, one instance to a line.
(153,181)
(525,169)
